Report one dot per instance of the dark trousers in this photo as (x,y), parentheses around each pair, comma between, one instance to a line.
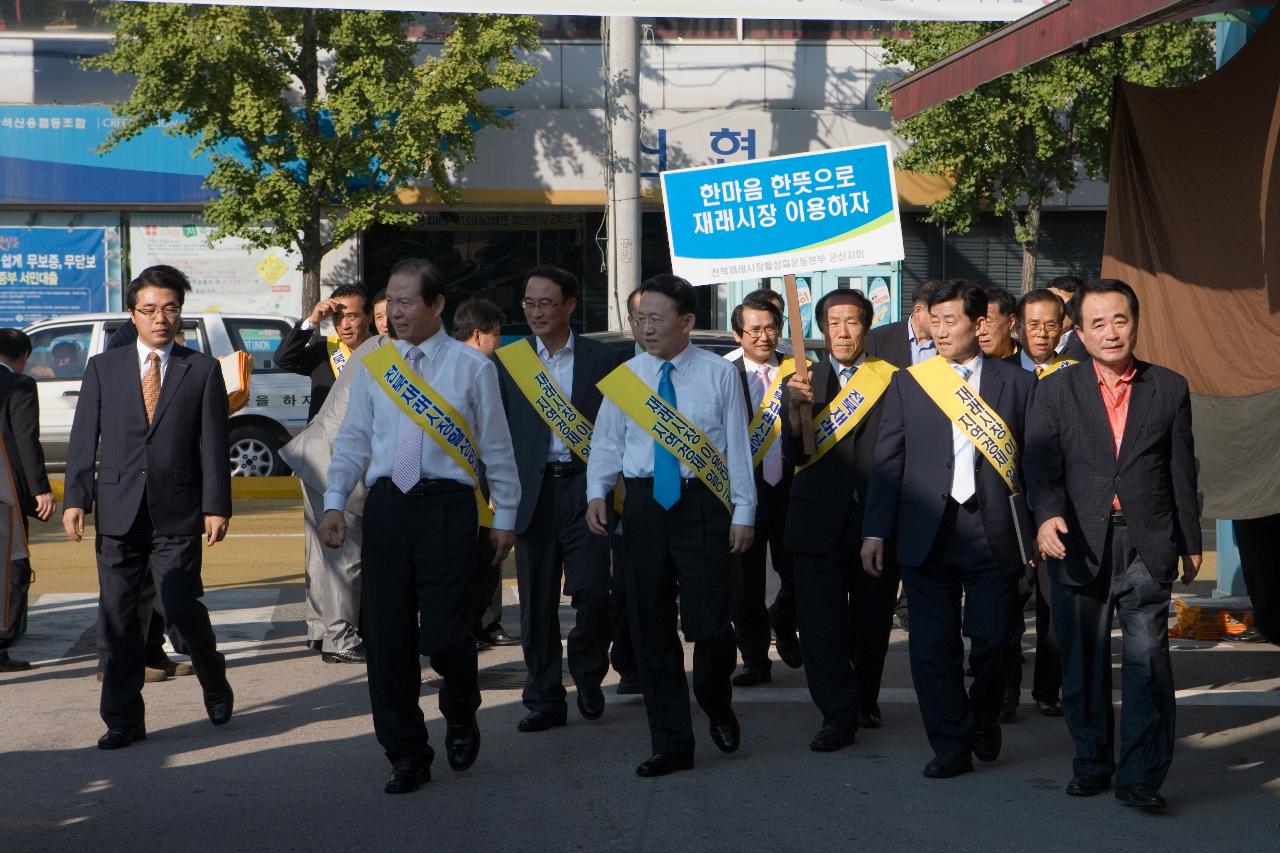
(558,544)
(1046,680)
(1259,541)
(14,597)
(418,598)
(752,620)
(1082,616)
(487,584)
(622,654)
(679,554)
(959,564)
(845,617)
(174,565)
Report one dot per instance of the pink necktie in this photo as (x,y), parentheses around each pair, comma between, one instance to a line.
(771,468)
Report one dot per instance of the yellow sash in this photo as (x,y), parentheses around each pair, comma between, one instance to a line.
(338,354)
(971,415)
(676,432)
(1052,367)
(854,402)
(766,426)
(427,408)
(542,392)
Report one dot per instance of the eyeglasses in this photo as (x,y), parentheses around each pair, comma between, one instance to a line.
(762,332)
(170,312)
(653,321)
(1050,327)
(540,304)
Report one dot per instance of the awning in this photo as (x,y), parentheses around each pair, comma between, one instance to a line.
(1058,28)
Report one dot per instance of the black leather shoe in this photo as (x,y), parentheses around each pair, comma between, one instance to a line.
(660,765)
(591,703)
(726,734)
(8,664)
(462,744)
(751,676)
(987,738)
(949,765)
(629,685)
(1049,709)
(833,737)
(219,708)
(869,718)
(540,721)
(119,738)
(407,775)
(788,646)
(353,655)
(1009,704)
(1088,786)
(1142,796)
(482,645)
(499,637)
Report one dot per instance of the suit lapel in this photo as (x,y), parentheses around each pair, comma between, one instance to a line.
(991,384)
(584,366)
(176,372)
(1090,399)
(1139,403)
(133,382)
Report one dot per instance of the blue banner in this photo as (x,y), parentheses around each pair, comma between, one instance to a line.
(46,272)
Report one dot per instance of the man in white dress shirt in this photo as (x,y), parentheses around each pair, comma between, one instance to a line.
(421,518)
(678,535)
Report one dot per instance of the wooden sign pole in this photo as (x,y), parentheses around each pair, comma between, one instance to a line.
(797,347)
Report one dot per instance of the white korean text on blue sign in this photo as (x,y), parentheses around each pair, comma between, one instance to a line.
(783,215)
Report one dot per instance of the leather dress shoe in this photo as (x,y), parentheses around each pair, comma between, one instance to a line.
(660,765)
(119,738)
(591,703)
(354,654)
(1009,704)
(219,707)
(1052,708)
(751,676)
(8,664)
(869,718)
(482,645)
(987,738)
(726,734)
(949,765)
(1088,786)
(499,637)
(540,721)
(462,744)
(629,684)
(1142,796)
(788,646)
(833,737)
(406,775)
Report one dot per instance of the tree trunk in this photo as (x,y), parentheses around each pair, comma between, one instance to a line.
(1030,240)
(312,247)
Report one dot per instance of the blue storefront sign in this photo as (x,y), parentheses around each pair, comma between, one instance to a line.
(783,215)
(47,272)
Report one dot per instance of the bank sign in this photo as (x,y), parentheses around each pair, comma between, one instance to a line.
(783,215)
(46,272)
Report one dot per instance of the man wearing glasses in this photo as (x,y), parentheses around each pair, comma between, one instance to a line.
(553,543)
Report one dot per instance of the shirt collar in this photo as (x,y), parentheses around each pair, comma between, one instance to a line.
(430,347)
(1126,378)
(679,363)
(911,336)
(753,366)
(144,351)
(837,366)
(544,353)
(7,367)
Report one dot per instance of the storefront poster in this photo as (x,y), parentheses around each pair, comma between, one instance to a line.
(49,272)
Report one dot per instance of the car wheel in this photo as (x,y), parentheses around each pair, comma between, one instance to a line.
(255,452)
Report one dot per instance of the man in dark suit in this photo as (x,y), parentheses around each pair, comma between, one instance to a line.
(20,428)
(1111,474)
(305,353)
(944,508)
(1065,287)
(552,538)
(757,325)
(845,614)
(158,413)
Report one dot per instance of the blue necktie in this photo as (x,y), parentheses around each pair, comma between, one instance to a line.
(666,468)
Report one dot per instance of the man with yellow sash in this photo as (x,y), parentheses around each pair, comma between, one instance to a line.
(674,426)
(423,412)
(946,465)
(549,390)
(304,352)
(757,325)
(845,615)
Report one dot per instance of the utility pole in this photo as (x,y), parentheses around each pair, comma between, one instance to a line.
(622,117)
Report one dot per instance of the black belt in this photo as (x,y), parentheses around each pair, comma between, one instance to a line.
(686,483)
(425,486)
(564,469)
(971,505)
(1117,519)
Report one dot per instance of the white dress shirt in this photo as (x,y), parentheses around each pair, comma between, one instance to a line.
(560,368)
(469,382)
(963,475)
(708,393)
(163,352)
(837,367)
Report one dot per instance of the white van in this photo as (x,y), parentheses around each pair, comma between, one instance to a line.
(278,400)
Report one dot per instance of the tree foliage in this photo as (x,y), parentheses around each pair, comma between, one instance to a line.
(1015,141)
(312,115)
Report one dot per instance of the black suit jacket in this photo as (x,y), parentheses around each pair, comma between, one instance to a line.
(911,477)
(305,353)
(530,436)
(1072,470)
(20,425)
(784,436)
(890,343)
(1074,349)
(179,463)
(828,498)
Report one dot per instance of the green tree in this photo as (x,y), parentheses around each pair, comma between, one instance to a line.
(312,116)
(1014,142)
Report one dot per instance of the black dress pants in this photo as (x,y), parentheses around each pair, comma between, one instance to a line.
(418,599)
(1046,681)
(622,654)
(559,544)
(752,620)
(679,554)
(174,565)
(487,584)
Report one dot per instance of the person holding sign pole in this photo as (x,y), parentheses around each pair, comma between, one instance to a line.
(674,425)
(845,614)
(946,495)
(549,389)
(423,412)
